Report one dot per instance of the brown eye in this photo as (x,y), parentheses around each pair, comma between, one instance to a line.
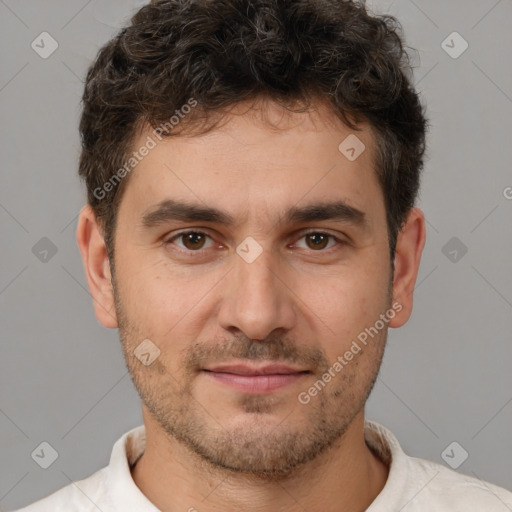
(317,240)
(192,241)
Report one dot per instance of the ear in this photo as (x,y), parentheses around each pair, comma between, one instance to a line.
(410,243)
(97,269)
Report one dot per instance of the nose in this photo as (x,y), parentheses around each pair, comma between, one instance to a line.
(257,299)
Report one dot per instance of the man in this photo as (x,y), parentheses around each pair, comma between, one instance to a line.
(252,170)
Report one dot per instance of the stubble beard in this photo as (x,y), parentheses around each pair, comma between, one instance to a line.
(262,446)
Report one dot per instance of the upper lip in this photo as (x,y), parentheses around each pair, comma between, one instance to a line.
(246,369)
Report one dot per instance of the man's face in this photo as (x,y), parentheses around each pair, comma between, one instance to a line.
(298,292)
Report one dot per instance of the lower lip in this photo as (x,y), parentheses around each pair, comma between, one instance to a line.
(256,383)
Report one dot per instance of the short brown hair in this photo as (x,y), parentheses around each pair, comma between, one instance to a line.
(223,52)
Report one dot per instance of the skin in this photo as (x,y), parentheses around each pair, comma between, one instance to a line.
(210,447)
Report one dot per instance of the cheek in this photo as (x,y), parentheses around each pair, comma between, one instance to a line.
(348,305)
(148,296)
(163,302)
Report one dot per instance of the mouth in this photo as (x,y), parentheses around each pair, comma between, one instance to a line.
(255,379)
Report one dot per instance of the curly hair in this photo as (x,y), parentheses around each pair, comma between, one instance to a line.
(222,52)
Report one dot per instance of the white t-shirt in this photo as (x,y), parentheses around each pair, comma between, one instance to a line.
(413,484)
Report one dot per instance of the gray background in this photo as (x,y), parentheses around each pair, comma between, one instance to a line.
(446,374)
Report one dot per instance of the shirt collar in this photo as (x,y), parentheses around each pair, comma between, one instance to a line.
(123,491)
(386,447)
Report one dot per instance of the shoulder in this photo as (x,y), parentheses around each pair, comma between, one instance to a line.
(80,496)
(456,491)
(420,485)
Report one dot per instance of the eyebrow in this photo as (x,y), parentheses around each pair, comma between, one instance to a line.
(172,210)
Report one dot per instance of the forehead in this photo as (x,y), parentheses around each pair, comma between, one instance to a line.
(259,162)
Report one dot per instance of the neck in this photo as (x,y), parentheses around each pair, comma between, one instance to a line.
(346,477)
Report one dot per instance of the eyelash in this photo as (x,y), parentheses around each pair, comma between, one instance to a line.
(200,251)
